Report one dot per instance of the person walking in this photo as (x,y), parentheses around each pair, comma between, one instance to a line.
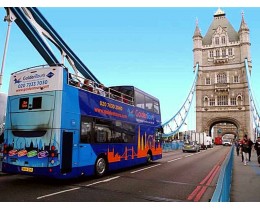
(250,143)
(257,149)
(237,147)
(245,150)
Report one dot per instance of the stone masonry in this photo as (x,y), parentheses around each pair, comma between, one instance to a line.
(222,90)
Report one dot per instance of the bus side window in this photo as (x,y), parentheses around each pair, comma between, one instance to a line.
(86,130)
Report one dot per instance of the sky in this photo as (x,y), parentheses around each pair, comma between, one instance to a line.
(147,47)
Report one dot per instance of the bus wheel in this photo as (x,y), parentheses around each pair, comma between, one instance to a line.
(149,158)
(100,166)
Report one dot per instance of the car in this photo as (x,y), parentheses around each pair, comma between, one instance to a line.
(191,147)
(226,142)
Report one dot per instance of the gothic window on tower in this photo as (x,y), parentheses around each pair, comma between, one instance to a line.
(212,101)
(217,53)
(217,40)
(230,51)
(222,78)
(223,52)
(211,53)
(233,101)
(223,40)
(222,100)
(236,79)
(207,81)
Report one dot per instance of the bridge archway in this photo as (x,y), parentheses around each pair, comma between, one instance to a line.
(215,121)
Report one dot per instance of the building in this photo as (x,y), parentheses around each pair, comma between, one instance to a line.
(222,94)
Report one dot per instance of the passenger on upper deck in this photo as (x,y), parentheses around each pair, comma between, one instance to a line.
(101,90)
(74,81)
(87,85)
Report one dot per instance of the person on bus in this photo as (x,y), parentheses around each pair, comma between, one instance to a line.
(101,90)
(87,85)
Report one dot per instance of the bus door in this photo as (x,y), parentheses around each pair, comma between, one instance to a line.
(67,148)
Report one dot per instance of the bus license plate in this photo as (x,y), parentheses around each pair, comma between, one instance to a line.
(27,169)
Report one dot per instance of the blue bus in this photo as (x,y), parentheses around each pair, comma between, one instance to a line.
(61,125)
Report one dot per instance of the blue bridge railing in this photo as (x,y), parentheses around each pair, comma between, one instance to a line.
(174,145)
(222,191)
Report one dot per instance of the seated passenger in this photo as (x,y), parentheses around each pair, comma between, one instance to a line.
(74,81)
(100,90)
(87,85)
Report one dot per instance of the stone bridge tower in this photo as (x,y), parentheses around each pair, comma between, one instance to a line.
(222,95)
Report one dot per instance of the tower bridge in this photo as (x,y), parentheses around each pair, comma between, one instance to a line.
(222,65)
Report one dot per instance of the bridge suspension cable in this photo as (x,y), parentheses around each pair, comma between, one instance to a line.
(38,30)
(255,113)
(173,125)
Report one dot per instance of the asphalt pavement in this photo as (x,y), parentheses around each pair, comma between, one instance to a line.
(245,185)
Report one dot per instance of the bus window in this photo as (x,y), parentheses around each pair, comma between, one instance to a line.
(102,131)
(24,102)
(156,107)
(148,103)
(116,137)
(86,130)
(139,99)
(37,103)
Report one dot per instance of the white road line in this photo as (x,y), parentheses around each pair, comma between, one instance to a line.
(174,159)
(64,191)
(144,169)
(102,181)
(188,155)
(44,196)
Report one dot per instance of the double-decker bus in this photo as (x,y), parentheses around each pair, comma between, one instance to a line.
(62,126)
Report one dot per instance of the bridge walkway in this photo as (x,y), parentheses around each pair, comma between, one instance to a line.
(245,185)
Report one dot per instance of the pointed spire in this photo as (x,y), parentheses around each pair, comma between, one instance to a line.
(219,12)
(197,30)
(243,25)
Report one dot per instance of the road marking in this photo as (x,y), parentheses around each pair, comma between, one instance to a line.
(77,188)
(144,169)
(188,155)
(199,191)
(174,159)
(102,181)
(44,196)
(190,197)
(209,174)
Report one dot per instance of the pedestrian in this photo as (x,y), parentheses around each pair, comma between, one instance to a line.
(257,149)
(237,147)
(245,150)
(240,148)
(250,143)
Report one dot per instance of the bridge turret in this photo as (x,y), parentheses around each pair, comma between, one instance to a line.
(197,46)
(244,41)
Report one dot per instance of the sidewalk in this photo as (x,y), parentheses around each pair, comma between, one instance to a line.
(245,185)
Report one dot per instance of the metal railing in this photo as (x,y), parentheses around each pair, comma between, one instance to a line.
(97,88)
(170,146)
(222,191)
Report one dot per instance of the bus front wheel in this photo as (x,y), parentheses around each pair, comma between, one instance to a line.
(101,166)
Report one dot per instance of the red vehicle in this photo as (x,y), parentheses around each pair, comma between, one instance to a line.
(218,140)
